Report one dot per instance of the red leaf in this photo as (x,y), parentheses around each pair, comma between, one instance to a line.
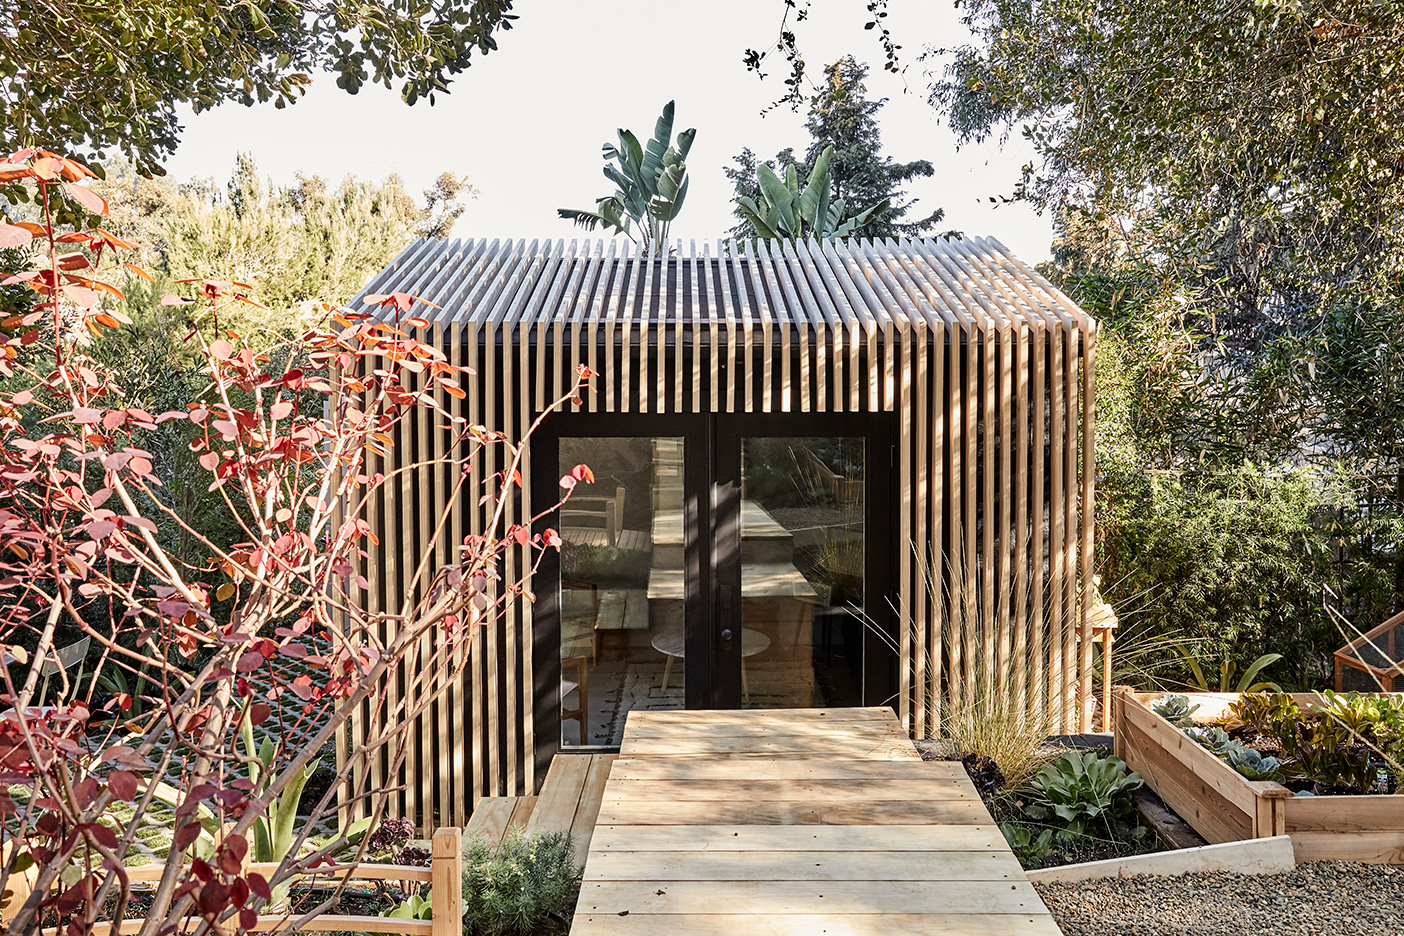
(213,898)
(209,460)
(186,835)
(12,236)
(82,296)
(101,834)
(281,410)
(123,783)
(259,885)
(551,538)
(87,198)
(583,473)
(231,856)
(567,482)
(175,300)
(259,712)
(248,919)
(222,349)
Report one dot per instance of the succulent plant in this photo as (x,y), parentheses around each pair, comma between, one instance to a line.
(1216,739)
(984,773)
(1253,765)
(1082,787)
(1175,709)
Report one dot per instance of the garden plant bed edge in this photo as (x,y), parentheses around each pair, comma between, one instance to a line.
(1222,806)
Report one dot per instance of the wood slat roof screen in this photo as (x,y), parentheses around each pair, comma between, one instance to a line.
(874,284)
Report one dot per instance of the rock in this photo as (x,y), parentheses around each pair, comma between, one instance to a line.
(1324,897)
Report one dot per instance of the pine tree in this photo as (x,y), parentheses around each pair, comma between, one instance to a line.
(842,115)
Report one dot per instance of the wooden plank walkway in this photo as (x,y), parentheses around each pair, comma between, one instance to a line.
(570,800)
(789,822)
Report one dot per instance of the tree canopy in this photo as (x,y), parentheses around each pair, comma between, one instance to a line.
(1262,137)
(842,116)
(109,76)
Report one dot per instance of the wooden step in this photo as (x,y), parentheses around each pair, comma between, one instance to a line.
(570,797)
(493,816)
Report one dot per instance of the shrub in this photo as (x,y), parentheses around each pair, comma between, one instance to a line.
(519,887)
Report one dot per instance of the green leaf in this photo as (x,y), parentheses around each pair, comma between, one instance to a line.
(779,199)
(1266,660)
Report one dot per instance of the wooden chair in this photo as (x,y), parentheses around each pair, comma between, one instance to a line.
(580,609)
(581,684)
(608,512)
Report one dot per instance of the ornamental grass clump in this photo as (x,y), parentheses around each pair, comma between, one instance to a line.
(997,728)
(528,884)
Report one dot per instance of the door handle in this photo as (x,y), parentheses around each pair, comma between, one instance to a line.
(726,634)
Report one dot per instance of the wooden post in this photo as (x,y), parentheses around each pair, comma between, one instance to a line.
(447,882)
(1118,714)
(1108,638)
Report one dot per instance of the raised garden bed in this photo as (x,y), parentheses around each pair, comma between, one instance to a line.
(1222,806)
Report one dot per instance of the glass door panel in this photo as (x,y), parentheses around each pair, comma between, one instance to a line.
(802,556)
(622,585)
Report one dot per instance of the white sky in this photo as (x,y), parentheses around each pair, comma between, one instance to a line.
(525,124)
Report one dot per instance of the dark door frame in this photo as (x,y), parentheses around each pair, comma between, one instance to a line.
(879,553)
(712,449)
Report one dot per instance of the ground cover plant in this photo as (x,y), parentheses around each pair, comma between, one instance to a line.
(243,657)
(1351,744)
(1078,807)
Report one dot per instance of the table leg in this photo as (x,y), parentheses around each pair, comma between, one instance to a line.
(667,671)
(745,690)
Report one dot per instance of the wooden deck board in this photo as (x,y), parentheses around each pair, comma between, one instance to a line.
(787,822)
(788,768)
(977,838)
(491,817)
(886,924)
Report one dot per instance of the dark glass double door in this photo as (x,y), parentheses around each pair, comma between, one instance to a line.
(715,561)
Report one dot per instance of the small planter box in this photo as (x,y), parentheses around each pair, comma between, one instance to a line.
(1222,806)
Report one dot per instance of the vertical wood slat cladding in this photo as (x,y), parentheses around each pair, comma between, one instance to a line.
(986,368)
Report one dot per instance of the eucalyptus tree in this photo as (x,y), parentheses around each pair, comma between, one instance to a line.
(786,211)
(650,185)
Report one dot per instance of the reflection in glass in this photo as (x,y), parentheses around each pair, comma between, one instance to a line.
(802,554)
(622,585)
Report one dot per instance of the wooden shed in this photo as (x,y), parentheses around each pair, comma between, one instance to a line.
(826,474)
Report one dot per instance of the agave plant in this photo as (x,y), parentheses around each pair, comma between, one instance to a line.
(650,185)
(790,213)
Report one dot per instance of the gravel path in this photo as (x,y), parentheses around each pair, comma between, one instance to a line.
(1326,898)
